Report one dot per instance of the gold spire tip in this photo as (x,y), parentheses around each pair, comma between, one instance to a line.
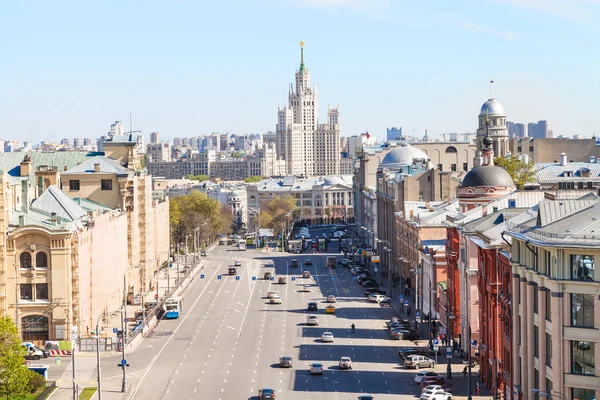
(301,44)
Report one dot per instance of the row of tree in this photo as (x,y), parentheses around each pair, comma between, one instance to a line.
(16,381)
(197,210)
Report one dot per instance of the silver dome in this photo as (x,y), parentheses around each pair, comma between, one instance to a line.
(404,155)
(492,107)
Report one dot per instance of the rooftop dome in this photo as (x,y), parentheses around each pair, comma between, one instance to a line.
(404,155)
(334,180)
(492,107)
(486,176)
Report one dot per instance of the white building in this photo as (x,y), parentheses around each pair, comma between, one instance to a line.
(158,152)
(492,119)
(309,148)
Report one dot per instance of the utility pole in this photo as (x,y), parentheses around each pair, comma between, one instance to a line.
(123,362)
(177,255)
(448,330)
(73,351)
(17,287)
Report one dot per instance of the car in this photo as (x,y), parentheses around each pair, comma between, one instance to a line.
(232,270)
(312,306)
(267,275)
(368,282)
(316,369)
(327,337)
(345,363)
(264,394)
(423,375)
(428,394)
(398,325)
(404,334)
(271,293)
(306,274)
(368,292)
(376,297)
(307,262)
(238,263)
(312,320)
(330,309)
(357,272)
(294,263)
(306,288)
(32,352)
(282,280)
(286,362)
(331,299)
(434,380)
(436,388)
(275,300)
(441,396)
(203,253)
(370,285)
(418,361)
(367,397)
(344,262)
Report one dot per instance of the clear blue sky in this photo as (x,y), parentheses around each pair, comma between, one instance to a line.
(184,67)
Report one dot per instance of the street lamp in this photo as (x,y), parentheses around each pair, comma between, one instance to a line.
(98,357)
(465,319)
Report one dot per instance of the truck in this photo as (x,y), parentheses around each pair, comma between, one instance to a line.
(331,261)
(242,246)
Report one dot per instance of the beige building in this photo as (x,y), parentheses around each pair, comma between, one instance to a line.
(549,150)
(56,275)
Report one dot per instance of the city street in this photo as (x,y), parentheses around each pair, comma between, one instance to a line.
(228,342)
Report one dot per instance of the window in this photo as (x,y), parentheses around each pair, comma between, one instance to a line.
(548,349)
(582,357)
(25,259)
(41,291)
(26,291)
(521,328)
(531,149)
(465,166)
(41,260)
(536,378)
(583,394)
(73,185)
(536,341)
(519,149)
(453,167)
(548,386)
(582,267)
(582,310)
(536,295)
(106,184)
(548,305)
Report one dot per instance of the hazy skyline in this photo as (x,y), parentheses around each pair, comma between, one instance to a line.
(185,68)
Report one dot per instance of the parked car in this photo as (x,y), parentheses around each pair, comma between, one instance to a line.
(441,396)
(436,388)
(428,394)
(404,334)
(434,380)
(286,362)
(418,361)
(376,298)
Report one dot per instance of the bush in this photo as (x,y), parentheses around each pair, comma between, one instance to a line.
(36,381)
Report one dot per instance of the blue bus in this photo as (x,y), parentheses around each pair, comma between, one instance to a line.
(173,307)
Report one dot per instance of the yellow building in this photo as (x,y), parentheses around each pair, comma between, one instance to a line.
(69,253)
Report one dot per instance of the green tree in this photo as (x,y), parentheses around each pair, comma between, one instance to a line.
(14,377)
(199,178)
(252,179)
(277,212)
(520,171)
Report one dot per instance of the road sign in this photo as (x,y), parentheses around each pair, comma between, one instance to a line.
(156,296)
(218,277)
(293,278)
(237,277)
(123,362)
(57,360)
(405,303)
(436,342)
(272,278)
(253,278)
(115,330)
(375,269)
(418,315)
(201,276)
(449,352)
(401,297)
(436,349)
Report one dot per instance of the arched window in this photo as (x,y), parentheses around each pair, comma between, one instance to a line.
(25,259)
(451,149)
(34,327)
(41,260)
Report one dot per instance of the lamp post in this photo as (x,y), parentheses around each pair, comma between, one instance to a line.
(98,357)
(466,320)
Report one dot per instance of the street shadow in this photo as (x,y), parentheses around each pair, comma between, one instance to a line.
(373,382)
(316,332)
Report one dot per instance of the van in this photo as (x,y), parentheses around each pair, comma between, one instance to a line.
(32,352)
(418,361)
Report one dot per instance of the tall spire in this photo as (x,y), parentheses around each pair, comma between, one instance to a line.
(302,56)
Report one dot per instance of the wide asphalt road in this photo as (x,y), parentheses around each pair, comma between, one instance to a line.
(228,341)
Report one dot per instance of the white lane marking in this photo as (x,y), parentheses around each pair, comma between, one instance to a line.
(173,335)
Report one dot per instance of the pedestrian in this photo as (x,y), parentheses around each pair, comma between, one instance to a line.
(408,311)
(465,370)
(477,389)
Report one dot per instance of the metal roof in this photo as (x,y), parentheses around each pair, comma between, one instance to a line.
(59,159)
(550,211)
(54,200)
(554,172)
(107,166)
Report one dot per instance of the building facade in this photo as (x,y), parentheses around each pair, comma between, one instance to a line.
(549,150)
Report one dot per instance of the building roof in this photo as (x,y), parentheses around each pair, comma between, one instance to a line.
(107,166)
(294,184)
(90,205)
(487,176)
(54,200)
(554,172)
(551,211)
(492,107)
(59,159)
(403,155)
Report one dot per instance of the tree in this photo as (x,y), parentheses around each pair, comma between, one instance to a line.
(252,179)
(199,178)
(520,171)
(14,377)
(237,154)
(277,212)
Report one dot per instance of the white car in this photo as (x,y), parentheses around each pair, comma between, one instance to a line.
(427,394)
(271,293)
(312,320)
(377,298)
(307,288)
(345,363)
(441,396)
(424,374)
(433,387)
(316,369)
(327,337)
(275,300)
(238,263)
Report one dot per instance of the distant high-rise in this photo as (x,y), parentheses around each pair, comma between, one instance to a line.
(155,137)
(539,130)
(394,133)
(307,147)
(515,129)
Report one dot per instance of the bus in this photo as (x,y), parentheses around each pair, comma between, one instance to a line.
(173,307)
(242,245)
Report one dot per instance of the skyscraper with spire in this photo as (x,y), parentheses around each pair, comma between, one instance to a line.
(309,148)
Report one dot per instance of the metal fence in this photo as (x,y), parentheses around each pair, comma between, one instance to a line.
(90,344)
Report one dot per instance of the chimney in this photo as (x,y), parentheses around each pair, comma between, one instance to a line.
(25,166)
(21,220)
(563,159)
(65,168)
(53,218)
(96,167)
